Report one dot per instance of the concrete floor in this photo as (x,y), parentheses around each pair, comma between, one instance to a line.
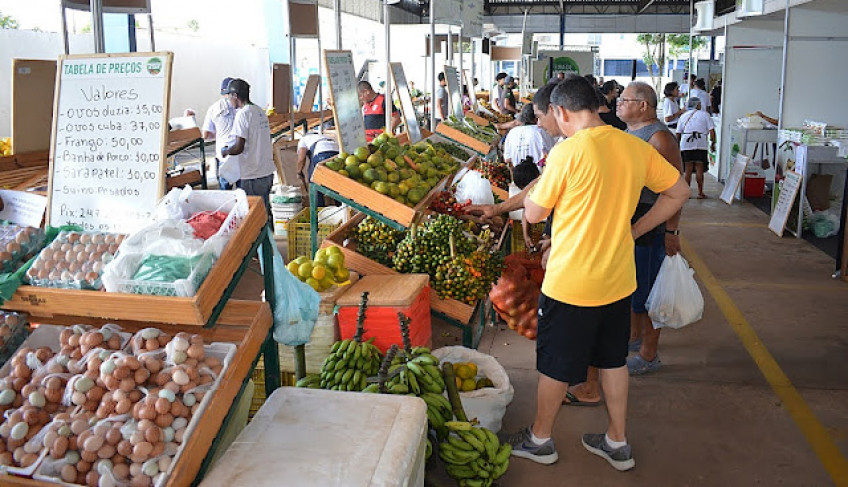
(710,417)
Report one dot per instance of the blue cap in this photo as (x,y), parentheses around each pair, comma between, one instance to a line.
(224,85)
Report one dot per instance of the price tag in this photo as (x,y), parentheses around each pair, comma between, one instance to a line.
(22,208)
(110,128)
(788,192)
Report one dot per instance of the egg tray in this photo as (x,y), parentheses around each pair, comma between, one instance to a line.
(48,335)
(74,260)
(17,243)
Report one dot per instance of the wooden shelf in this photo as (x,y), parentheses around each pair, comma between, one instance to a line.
(244,323)
(468,141)
(364,266)
(197,310)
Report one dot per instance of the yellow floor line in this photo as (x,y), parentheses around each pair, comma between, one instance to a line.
(836,287)
(817,435)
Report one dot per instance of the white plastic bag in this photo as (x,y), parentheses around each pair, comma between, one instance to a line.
(476,188)
(675,300)
(488,404)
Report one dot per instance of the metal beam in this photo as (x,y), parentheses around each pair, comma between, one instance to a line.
(643,4)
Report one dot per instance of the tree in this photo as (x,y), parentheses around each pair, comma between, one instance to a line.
(678,44)
(194,25)
(8,22)
(654,55)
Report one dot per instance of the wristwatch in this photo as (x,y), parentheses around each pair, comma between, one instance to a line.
(673,232)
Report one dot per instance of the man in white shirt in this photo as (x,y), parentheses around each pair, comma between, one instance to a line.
(692,131)
(252,140)
(312,149)
(686,86)
(527,139)
(217,125)
(441,100)
(700,92)
(496,97)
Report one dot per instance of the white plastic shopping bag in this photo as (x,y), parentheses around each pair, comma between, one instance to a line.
(675,300)
(476,188)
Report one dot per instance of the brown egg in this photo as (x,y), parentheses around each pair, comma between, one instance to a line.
(158,449)
(135,395)
(13,247)
(140,481)
(73,237)
(141,376)
(125,448)
(68,473)
(106,451)
(83,466)
(92,479)
(152,344)
(113,436)
(121,372)
(164,420)
(143,449)
(153,435)
(88,456)
(195,351)
(121,470)
(127,384)
(123,406)
(114,342)
(162,405)
(60,446)
(148,413)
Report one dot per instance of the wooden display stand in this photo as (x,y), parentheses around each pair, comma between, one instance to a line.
(197,311)
(386,206)
(455,135)
(365,266)
(244,323)
(181,140)
(24,171)
(477,119)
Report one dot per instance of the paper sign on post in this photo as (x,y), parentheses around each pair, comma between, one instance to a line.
(346,109)
(110,128)
(22,208)
(410,116)
(452,78)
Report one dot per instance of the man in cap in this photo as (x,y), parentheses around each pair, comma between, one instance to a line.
(496,97)
(374,111)
(217,125)
(252,140)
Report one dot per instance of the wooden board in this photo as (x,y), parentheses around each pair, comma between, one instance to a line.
(369,198)
(466,77)
(303,19)
(195,311)
(505,53)
(285,158)
(244,323)
(33,83)
(107,150)
(477,119)
(180,139)
(845,248)
(788,192)
(395,290)
(731,184)
(190,177)
(307,101)
(343,91)
(364,266)
(468,141)
(410,115)
(281,88)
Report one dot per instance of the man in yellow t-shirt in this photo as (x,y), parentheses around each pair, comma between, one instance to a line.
(592,183)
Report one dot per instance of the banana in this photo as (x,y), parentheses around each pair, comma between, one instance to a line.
(413,384)
(428,452)
(357,377)
(420,350)
(458,425)
(340,365)
(459,472)
(372,388)
(435,419)
(418,371)
(351,347)
(471,483)
(503,454)
(456,456)
(426,359)
(460,443)
(500,469)
(357,352)
(472,440)
(346,376)
(492,442)
(399,389)
(363,381)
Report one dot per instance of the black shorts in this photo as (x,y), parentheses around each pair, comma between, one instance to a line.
(571,338)
(696,156)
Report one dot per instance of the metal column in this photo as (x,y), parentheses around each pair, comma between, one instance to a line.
(97,25)
(432,68)
(389,102)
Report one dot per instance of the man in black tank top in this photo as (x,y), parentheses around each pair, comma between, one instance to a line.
(637,107)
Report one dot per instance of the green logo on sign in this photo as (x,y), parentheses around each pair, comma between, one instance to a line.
(566,65)
(154,65)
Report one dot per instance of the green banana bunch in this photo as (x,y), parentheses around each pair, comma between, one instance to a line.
(311,381)
(349,365)
(474,456)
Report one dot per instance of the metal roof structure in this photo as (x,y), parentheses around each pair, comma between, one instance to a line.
(587,7)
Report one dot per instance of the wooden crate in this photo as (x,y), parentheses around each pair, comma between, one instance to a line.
(24,171)
(369,198)
(244,323)
(47,302)
(364,266)
(468,141)
(477,119)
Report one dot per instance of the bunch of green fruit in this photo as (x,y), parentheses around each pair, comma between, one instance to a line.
(376,240)
(473,456)
(403,172)
(425,247)
(467,278)
(351,361)
(452,149)
(469,127)
(326,270)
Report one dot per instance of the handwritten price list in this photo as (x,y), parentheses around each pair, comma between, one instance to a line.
(346,108)
(108,145)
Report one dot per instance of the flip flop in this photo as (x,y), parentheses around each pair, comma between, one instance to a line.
(571,400)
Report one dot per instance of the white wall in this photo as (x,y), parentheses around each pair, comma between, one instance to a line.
(751,77)
(199,67)
(814,65)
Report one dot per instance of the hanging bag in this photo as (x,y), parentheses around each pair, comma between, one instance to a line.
(675,299)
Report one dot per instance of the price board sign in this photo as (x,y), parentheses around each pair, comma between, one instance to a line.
(107,150)
(410,116)
(737,172)
(346,109)
(454,93)
(788,192)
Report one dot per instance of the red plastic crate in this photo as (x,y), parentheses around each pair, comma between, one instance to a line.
(388,295)
(755,187)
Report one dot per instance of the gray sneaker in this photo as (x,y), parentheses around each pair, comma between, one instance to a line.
(621,459)
(523,446)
